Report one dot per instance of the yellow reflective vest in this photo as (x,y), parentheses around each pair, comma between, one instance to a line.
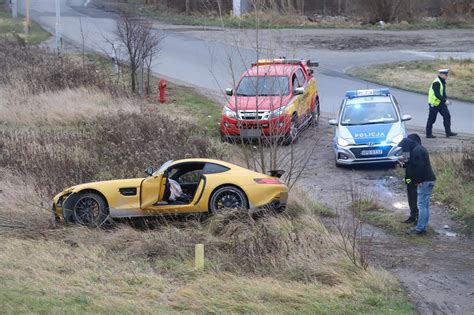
(432,99)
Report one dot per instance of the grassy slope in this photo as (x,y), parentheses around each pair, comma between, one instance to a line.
(455,184)
(9,26)
(284,264)
(418,75)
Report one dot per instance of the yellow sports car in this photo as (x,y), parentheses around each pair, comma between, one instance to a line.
(184,186)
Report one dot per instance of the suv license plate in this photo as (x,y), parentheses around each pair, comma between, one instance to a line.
(250,133)
(371,152)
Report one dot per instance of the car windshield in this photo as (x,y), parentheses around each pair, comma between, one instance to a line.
(368,112)
(267,86)
(163,167)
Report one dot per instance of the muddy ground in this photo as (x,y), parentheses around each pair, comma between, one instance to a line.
(452,40)
(437,271)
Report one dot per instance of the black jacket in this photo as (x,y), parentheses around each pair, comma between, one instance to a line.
(418,168)
(437,90)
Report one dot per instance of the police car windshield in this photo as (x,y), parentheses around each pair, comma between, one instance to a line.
(267,86)
(368,110)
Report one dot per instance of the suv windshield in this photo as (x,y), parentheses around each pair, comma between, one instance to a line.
(267,86)
(369,113)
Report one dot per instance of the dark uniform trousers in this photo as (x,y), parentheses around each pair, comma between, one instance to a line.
(444,111)
(413,200)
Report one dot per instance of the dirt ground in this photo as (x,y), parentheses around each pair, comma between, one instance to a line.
(436,272)
(454,40)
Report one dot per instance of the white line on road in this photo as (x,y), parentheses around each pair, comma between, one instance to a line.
(87,2)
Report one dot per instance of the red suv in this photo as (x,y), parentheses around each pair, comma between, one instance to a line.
(274,98)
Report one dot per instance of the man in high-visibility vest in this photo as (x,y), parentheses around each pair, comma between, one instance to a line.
(437,100)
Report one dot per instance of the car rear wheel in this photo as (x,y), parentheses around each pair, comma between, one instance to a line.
(315,114)
(227,197)
(90,210)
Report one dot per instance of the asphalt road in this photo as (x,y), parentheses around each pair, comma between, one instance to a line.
(208,65)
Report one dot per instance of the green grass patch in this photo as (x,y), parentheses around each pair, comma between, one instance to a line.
(455,184)
(9,26)
(418,75)
(188,101)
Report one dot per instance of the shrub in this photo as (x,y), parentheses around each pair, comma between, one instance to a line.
(37,70)
(106,147)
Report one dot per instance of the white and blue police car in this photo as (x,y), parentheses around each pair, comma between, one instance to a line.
(368,128)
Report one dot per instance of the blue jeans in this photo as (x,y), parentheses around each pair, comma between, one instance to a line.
(424,190)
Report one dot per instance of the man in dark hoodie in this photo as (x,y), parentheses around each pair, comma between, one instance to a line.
(407,145)
(420,173)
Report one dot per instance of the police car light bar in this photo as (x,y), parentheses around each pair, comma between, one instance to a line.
(372,92)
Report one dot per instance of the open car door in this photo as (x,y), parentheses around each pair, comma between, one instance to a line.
(151,190)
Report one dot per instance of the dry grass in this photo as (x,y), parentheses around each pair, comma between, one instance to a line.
(277,263)
(418,75)
(21,110)
(455,170)
(58,148)
(274,264)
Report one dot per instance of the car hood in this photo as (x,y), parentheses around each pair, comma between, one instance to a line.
(264,102)
(101,186)
(375,134)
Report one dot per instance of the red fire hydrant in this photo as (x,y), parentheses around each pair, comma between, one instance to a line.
(162,91)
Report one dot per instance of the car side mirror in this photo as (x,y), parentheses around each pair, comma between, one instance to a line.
(149,170)
(299,91)
(406,117)
(333,122)
(229,91)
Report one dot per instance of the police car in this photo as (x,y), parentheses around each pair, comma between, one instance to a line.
(369,127)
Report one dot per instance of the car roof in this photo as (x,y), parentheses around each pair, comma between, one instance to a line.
(272,70)
(198,160)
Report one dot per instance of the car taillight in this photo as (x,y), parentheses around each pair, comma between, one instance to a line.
(267,180)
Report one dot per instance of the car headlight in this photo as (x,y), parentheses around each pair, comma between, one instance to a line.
(229,112)
(277,112)
(342,142)
(397,139)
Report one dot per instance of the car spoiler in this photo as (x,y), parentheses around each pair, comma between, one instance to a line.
(276,173)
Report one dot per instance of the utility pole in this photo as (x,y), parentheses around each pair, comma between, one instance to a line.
(58,26)
(26,23)
(14,9)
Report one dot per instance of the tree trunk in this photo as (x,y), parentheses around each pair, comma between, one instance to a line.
(187,4)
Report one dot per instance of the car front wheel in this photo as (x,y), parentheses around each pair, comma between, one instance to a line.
(227,197)
(90,210)
(292,134)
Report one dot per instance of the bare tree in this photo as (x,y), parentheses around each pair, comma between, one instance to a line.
(141,42)
(267,139)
